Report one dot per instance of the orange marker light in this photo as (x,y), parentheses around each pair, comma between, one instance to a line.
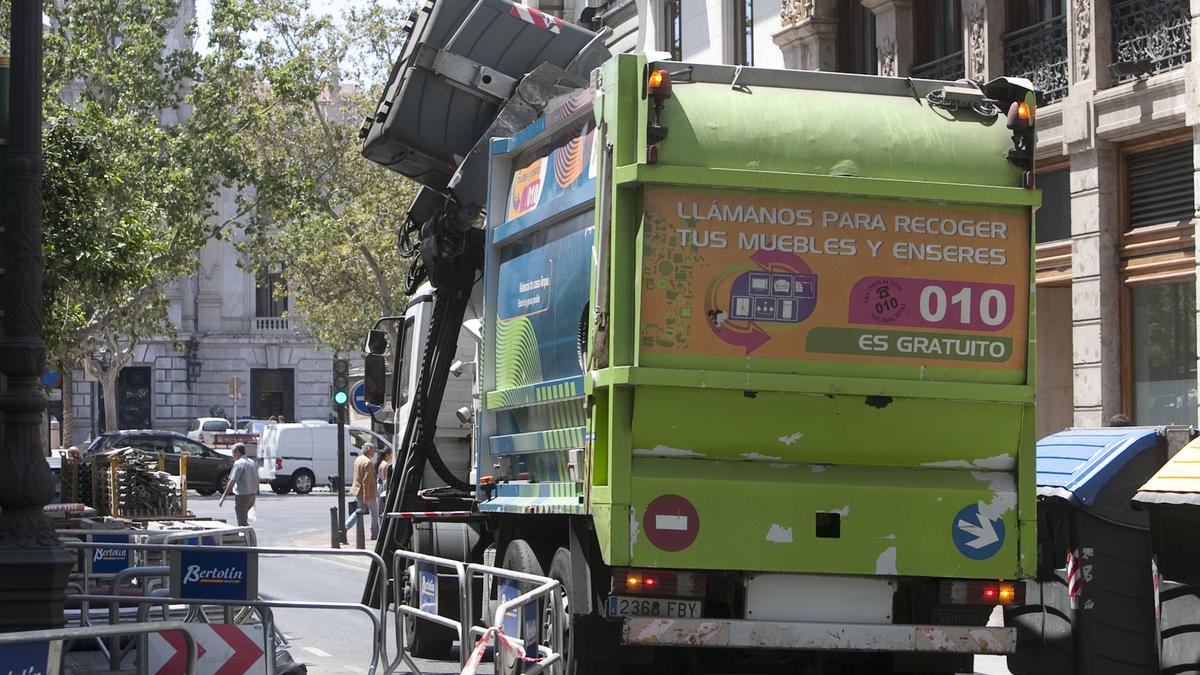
(632,580)
(1007,594)
(1023,111)
(659,83)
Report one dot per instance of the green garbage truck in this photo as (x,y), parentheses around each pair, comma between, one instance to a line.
(751,350)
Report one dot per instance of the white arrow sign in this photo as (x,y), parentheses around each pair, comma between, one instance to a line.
(225,648)
(984,532)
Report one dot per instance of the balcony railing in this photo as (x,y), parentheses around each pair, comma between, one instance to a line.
(1039,53)
(276,325)
(1159,32)
(949,67)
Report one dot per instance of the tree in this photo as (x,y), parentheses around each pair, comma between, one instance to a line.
(134,164)
(320,211)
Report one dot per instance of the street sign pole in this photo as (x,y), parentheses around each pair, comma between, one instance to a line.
(341,483)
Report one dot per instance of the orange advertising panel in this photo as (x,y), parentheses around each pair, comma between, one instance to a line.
(738,273)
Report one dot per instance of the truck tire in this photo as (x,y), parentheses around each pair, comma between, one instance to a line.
(302,481)
(1045,642)
(519,557)
(1179,629)
(578,627)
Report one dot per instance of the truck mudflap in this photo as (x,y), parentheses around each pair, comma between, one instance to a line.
(819,636)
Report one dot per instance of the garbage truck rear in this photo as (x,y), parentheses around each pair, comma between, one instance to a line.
(753,361)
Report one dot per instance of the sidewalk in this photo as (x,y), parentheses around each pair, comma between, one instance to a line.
(94,661)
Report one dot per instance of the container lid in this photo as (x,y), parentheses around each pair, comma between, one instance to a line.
(1081,462)
(1177,482)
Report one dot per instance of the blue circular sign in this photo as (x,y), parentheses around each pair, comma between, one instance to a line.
(358,399)
(975,535)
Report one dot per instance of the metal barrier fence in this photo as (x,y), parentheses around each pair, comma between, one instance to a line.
(546,590)
(99,632)
(112,649)
(379,633)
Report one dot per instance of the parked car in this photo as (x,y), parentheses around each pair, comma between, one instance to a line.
(204,428)
(208,470)
(299,456)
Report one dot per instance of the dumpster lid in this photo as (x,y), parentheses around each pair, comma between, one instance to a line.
(1177,482)
(1079,463)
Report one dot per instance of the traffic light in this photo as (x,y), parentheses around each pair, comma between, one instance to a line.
(341,381)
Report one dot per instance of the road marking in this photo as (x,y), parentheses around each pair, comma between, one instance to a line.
(354,669)
(317,652)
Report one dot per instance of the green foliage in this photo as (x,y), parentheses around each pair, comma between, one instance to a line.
(131,175)
(318,208)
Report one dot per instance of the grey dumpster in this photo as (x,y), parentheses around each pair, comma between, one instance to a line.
(1171,499)
(1091,609)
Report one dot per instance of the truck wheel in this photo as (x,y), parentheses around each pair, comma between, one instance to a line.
(302,481)
(519,557)
(577,628)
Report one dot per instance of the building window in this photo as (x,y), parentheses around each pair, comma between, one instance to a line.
(1150,37)
(856,39)
(270,294)
(1054,217)
(1035,46)
(673,28)
(743,32)
(1161,187)
(1164,353)
(937,39)
(133,397)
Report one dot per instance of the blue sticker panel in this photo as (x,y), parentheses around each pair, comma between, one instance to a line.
(523,622)
(110,560)
(975,535)
(25,658)
(216,575)
(427,579)
(507,591)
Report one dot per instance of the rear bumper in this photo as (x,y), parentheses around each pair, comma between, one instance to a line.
(817,636)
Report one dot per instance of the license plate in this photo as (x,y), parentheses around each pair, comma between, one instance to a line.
(665,607)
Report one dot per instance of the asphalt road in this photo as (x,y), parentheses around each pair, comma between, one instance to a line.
(329,641)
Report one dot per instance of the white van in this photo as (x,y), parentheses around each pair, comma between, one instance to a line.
(302,455)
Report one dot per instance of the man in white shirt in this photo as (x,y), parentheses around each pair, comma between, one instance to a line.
(243,482)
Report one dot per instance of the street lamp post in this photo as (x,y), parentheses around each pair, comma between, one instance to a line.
(33,563)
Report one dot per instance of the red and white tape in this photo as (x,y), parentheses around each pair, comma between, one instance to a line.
(1074,579)
(514,649)
(533,16)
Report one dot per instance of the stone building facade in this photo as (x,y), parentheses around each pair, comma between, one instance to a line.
(1118,133)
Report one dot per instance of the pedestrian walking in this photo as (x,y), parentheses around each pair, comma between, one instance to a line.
(383,469)
(243,482)
(364,489)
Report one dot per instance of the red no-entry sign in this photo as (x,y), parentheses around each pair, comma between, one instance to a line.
(671,522)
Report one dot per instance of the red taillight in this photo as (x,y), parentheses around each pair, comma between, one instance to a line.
(981,593)
(659,582)
(278,464)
